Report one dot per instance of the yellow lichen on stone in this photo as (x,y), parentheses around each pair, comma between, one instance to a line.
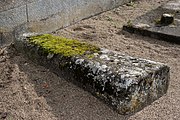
(90,56)
(63,46)
(134,103)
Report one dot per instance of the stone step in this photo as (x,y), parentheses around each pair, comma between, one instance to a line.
(127,84)
(153,23)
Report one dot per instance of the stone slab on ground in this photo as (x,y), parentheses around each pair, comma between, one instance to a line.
(125,83)
(149,24)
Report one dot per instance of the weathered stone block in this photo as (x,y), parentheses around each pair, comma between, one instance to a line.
(6,38)
(125,83)
(49,15)
(11,4)
(12,18)
(43,9)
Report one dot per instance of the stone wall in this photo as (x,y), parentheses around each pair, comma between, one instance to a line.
(44,16)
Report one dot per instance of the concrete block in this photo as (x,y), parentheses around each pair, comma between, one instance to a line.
(125,83)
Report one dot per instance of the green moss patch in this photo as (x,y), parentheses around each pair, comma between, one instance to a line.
(63,46)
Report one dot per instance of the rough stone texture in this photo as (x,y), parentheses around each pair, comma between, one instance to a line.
(49,15)
(10,4)
(125,83)
(172,5)
(6,38)
(8,21)
(12,18)
(149,24)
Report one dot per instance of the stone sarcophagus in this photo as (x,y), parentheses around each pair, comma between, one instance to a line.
(125,83)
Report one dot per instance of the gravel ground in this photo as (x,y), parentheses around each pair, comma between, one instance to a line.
(31,92)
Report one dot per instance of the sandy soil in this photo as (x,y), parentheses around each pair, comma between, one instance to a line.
(31,92)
